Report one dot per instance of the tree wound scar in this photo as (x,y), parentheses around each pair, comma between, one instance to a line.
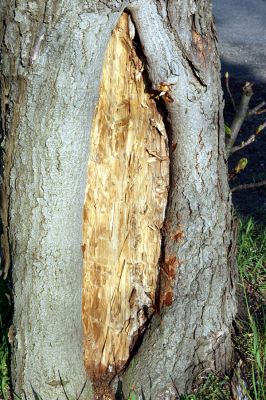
(124,209)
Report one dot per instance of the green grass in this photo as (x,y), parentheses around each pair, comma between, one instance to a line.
(251,256)
(251,346)
(4,345)
(4,361)
(212,387)
(251,340)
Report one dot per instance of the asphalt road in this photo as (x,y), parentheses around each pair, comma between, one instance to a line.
(241,26)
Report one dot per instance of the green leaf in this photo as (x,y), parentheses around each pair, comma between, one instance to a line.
(242,163)
(260,128)
(227,130)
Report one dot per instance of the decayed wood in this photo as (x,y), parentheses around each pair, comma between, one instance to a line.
(126,195)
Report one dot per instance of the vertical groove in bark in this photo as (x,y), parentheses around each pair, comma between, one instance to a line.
(124,210)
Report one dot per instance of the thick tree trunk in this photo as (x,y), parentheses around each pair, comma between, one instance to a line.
(51,89)
(193,333)
(52,57)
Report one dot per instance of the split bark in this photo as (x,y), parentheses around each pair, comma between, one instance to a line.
(128,180)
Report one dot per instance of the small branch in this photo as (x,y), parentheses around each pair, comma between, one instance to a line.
(250,140)
(240,116)
(260,128)
(248,186)
(82,389)
(256,109)
(261,111)
(229,91)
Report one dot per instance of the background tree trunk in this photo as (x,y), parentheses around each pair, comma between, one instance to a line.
(52,58)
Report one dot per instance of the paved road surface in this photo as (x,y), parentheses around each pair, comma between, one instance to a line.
(241,26)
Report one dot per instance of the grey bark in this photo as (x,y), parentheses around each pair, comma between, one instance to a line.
(52,103)
(193,334)
(46,137)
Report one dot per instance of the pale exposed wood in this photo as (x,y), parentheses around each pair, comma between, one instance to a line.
(128,178)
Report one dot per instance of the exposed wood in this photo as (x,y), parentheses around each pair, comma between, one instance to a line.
(124,209)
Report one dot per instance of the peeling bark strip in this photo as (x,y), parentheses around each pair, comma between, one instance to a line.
(124,210)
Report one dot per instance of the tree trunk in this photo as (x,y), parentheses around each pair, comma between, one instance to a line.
(52,60)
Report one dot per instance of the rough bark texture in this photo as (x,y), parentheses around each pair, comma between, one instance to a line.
(51,90)
(128,179)
(192,334)
(52,58)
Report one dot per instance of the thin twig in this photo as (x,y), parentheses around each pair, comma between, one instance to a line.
(260,128)
(229,91)
(261,111)
(83,387)
(62,384)
(240,115)
(35,394)
(256,109)
(248,186)
(142,394)
(250,140)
